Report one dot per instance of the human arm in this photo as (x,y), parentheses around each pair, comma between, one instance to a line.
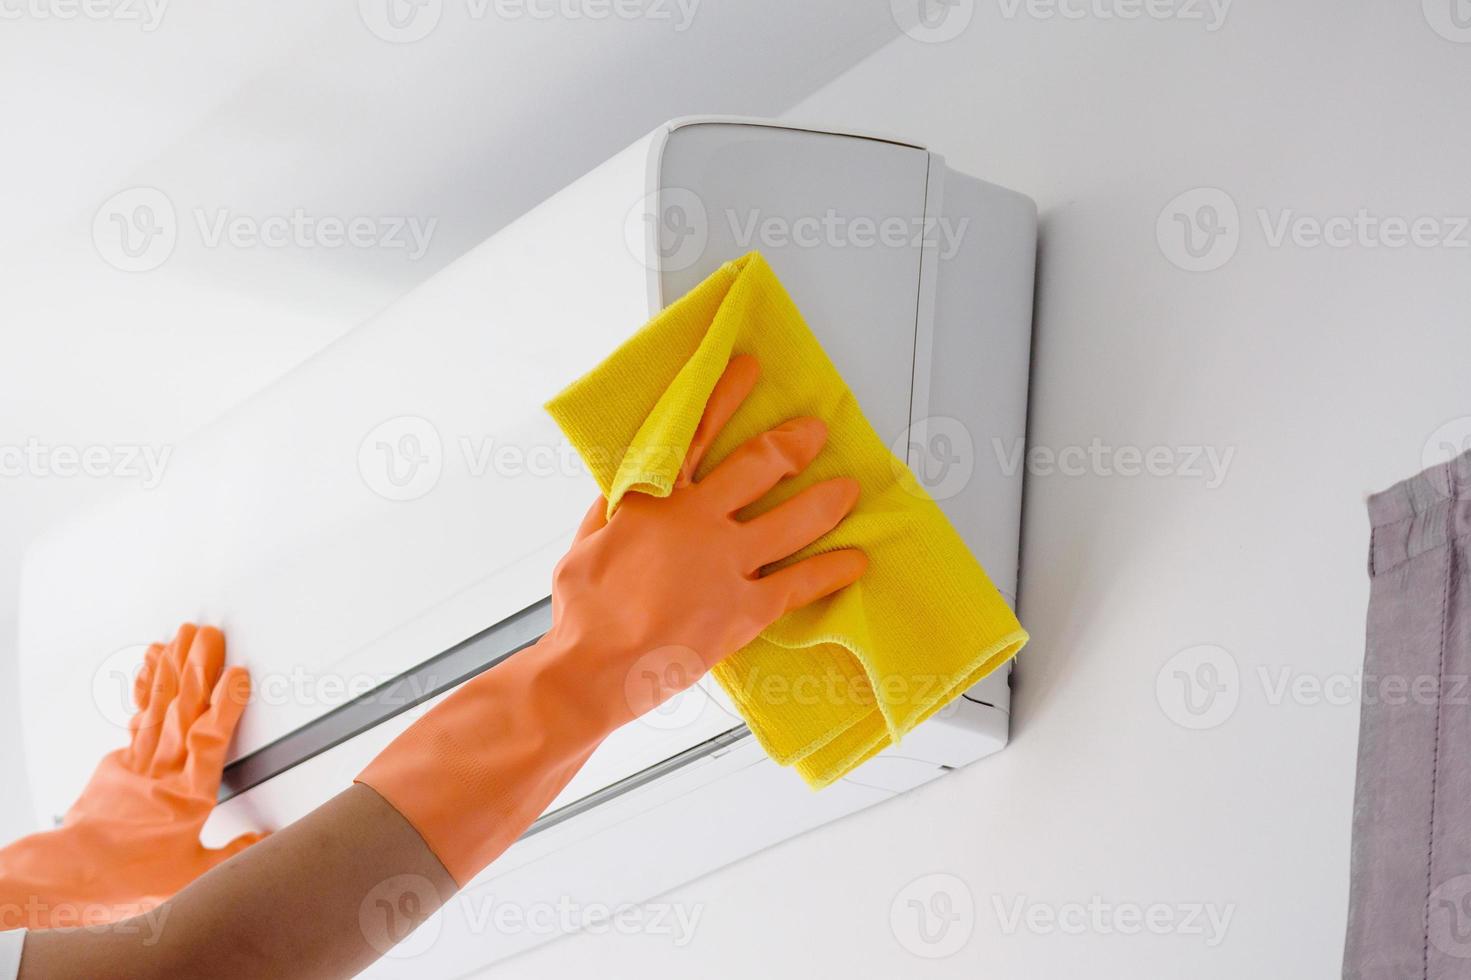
(665,588)
(131,840)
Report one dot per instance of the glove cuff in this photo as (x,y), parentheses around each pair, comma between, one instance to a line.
(478,769)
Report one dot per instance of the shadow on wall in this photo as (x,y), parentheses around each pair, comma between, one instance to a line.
(1060,628)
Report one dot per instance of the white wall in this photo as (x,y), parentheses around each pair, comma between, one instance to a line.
(1325,370)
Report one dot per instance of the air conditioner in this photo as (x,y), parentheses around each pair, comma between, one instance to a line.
(392,508)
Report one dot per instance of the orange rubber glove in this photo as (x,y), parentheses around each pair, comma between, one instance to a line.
(663,590)
(132,839)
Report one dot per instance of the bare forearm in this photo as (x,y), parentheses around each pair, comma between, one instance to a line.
(322,898)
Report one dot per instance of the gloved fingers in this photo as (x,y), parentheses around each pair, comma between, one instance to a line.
(810,579)
(147,725)
(178,649)
(200,672)
(794,524)
(142,694)
(143,682)
(763,461)
(209,737)
(727,395)
(593,520)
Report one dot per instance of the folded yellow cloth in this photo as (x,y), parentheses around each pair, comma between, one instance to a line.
(827,686)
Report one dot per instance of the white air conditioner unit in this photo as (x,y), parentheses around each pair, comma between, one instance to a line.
(391,510)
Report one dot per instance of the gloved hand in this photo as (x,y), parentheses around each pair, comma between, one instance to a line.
(132,839)
(673,584)
(665,589)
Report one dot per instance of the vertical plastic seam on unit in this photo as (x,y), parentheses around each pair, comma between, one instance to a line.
(652,200)
(920,405)
(924,313)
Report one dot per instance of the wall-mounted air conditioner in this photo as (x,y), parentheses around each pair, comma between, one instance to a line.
(382,522)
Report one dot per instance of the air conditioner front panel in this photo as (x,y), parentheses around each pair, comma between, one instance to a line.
(404,490)
(826,212)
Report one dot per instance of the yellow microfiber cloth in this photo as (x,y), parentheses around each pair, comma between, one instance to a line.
(829,685)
